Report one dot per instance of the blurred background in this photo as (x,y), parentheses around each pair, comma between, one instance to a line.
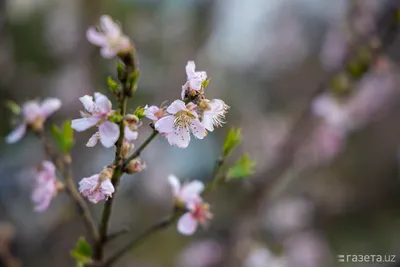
(338,195)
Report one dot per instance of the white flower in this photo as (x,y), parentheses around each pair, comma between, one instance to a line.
(110,38)
(215,114)
(194,79)
(97,113)
(34,115)
(94,189)
(45,186)
(187,192)
(178,125)
(153,113)
(198,211)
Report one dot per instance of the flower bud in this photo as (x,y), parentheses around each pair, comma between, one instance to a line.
(60,186)
(127,147)
(131,119)
(135,166)
(106,174)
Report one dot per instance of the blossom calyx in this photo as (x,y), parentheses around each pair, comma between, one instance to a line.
(135,166)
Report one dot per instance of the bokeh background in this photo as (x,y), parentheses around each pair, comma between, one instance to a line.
(340,195)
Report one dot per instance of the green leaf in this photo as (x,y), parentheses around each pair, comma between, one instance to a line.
(120,70)
(232,140)
(14,107)
(205,83)
(133,79)
(63,137)
(139,112)
(243,168)
(113,85)
(82,252)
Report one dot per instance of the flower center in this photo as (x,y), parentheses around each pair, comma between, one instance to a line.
(201,213)
(183,119)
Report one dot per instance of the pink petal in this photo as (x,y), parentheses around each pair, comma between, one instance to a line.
(49,106)
(190,70)
(16,134)
(107,188)
(102,102)
(108,52)
(84,123)
(130,135)
(150,112)
(180,137)
(87,102)
(31,110)
(165,124)
(195,83)
(109,27)
(88,184)
(95,37)
(198,129)
(93,140)
(175,184)
(109,133)
(49,168)
(96,196)
(192,191)
(208,122)
(187,225)
(184,91)
(176,106)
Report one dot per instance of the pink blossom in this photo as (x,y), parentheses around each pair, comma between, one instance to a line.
(198,211)
(34,115)
(198,214)
(110,38)
(97,113)
(332,111)
(153,113)
(45,187)
(187,192)
(130,136)
(178,125)
(195,79)
(94,189)
(215,114)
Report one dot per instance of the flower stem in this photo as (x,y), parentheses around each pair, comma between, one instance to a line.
(141,148)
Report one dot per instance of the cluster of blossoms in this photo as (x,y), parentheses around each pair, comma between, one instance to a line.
(192,114)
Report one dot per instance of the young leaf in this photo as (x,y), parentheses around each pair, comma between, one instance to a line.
(14,107)
(82,252)
(63,137)
(139,112)
(205,83)
(113,85)
(243,168)
(232,140)
(120,70)
(133,80)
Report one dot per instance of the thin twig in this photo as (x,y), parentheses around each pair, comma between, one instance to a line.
(141,148)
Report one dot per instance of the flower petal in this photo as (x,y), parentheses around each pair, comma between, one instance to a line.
(175,184)
(107,187)
(198,129)
(96,37)
(93,140)
(130,135)
(109,133)
(87,102)
(165,124)
(16,134)
(176,106)
(109,26)
(187,225)
(150,112)
(31,111)
(180,137)
(49,106)
(108,52)
(49,168)
(102,102)
(208,122)
(84,123)
(190,70)
(191,191)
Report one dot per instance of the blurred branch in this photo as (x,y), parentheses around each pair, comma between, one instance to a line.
(301,129)
(64,166)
